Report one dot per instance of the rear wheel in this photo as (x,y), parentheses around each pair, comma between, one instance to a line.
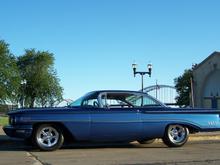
(176,135)
(48,137)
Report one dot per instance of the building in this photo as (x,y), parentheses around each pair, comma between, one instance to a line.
(206,82)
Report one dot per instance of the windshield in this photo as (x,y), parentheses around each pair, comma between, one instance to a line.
(88,100)
(77,102)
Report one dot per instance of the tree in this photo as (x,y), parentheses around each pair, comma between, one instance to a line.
(9,75)
(41,85)
(183,87)
(51,93)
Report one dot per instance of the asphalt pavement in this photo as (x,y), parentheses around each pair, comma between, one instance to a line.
(201,149)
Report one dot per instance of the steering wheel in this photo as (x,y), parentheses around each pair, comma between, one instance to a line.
(95,104)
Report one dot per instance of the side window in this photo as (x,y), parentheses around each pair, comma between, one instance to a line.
(142,101)
(115,100)
(90,103)
(103,100)
(116,103)
(149,102)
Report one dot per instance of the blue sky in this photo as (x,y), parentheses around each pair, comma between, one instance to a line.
(96,41)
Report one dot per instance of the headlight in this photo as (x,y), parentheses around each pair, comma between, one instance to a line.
(12,120)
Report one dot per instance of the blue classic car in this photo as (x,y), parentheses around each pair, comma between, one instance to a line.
(110,116)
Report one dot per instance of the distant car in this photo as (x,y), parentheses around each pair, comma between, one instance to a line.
(110,116)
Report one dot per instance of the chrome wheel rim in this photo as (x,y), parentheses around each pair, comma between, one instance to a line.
(47,137)
(177,133)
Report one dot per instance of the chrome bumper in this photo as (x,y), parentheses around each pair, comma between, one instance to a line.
(22,131)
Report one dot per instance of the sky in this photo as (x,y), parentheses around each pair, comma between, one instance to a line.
(94,42)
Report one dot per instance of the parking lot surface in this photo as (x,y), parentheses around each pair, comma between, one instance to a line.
(14,152)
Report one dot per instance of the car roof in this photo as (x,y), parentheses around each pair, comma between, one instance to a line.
(125,91)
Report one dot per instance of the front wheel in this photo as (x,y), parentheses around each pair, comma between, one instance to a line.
(176,135)
(48,137)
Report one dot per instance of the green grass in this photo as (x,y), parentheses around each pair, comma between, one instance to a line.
(3,121)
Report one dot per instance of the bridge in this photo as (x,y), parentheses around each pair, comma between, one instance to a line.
(164,93)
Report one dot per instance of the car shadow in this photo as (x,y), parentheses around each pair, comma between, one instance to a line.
(112,145)
(13,144)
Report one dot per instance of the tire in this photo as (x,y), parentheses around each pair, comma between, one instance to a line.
(48,137)
(176,135)
(148,141)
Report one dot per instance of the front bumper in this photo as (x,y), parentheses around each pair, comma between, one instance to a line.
(21,131)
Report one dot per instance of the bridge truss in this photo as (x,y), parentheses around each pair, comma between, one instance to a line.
(164,93)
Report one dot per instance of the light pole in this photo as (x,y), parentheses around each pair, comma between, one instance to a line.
(23,86)
(149,67)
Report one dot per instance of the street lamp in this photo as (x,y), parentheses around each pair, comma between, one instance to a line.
(23,86)
(149,67)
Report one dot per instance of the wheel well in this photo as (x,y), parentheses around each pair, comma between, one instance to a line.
(192,129)
(68,137)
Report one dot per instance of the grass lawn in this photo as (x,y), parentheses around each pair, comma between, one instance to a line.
(3,121)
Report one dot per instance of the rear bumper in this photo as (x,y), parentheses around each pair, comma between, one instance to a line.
(23,131)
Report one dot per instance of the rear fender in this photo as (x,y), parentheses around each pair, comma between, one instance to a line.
(192,128)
